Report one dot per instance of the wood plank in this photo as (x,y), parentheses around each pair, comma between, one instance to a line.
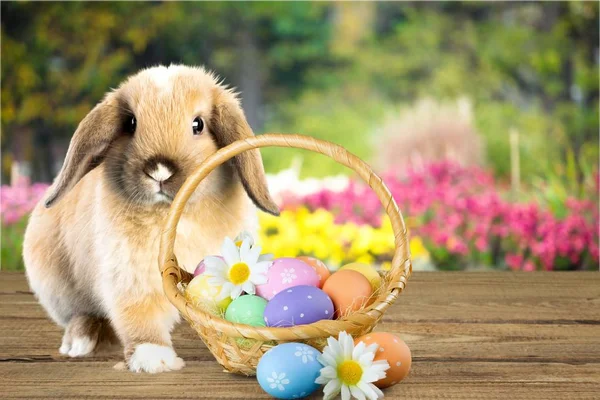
(473,335)
(204,379)
(570,344)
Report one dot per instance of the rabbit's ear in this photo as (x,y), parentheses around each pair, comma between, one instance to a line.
(88,146)
(229,124)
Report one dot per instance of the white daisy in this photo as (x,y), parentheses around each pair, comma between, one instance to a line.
(350,369)
(238,271)
(245,235)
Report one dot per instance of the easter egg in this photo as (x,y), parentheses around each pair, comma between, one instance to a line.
(286,273)
(368,271)
(289,370)
(202,267)
(247,310)
(349,290)
(319,267)
(298,305)
(202,294)
(395,351)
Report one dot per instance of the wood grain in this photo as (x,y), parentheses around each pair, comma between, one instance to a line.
(472,335)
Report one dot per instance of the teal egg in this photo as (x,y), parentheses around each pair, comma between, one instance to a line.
(248,309)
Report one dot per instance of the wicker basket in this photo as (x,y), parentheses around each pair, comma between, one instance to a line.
(239,347)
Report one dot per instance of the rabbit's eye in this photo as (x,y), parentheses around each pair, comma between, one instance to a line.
(197,126)
(130,125)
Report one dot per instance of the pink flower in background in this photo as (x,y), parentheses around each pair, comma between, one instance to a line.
(481,244)
(529,266)
(445,200)
(17,200)
(514,261)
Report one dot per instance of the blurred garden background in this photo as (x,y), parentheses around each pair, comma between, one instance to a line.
(481,117)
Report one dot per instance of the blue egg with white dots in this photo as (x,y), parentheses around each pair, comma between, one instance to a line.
(298,305)
(289,370)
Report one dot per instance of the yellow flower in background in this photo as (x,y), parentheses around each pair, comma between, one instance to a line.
(417,249)
(302,232)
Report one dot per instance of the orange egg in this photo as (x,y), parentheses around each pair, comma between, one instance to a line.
(395,351)
(349,290)
(318,266)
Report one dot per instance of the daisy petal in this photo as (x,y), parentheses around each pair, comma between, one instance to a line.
(329,372)
(373,347)
(258,279)
(225,291)
(236,292)
(347,345)
(345,392)
(254,254)
(248,287)
(260,269)
(245,235)
(245,251)
(263,265)
(366,359)
(377,390)
(370,376)
(334,347)
(266,257)
(230,252)
(327,359)
(358,350)
(380,365)
(357,393)
(332,388)
(213,262)
(367,389)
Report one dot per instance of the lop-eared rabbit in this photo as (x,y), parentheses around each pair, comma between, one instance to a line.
(91,246)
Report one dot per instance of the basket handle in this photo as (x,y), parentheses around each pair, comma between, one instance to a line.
(401,260)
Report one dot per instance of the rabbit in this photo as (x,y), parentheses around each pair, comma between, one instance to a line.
(91,245)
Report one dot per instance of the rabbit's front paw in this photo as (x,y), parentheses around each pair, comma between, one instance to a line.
(153,358)
(80,347)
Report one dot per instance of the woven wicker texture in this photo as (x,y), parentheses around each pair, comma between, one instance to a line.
(238,347)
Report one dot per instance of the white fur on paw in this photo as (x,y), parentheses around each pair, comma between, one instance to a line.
(81,346)
(64,349)
(154,358)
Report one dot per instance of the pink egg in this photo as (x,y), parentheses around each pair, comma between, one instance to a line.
(286,273)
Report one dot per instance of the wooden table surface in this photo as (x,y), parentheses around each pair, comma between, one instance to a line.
(472,335)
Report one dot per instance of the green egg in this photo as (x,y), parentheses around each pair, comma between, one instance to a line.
(248,309)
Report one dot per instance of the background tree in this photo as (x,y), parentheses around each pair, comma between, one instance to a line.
(332,70)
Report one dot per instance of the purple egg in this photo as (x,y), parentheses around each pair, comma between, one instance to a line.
(298,305)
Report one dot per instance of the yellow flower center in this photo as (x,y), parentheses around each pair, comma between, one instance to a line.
(239,273)
(239,243)
(349,372)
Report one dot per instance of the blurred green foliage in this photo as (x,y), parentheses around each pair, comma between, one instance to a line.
(11,245)
(331,70)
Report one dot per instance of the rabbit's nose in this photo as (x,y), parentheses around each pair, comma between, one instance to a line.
(160,169)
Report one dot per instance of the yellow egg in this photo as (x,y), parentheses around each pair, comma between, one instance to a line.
(202,294)
(368,271)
